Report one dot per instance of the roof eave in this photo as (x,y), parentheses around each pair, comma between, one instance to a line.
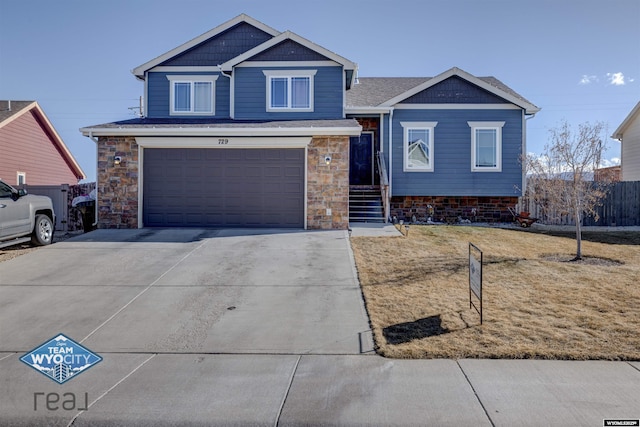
(220,131)
(57,140)
(617,134)
(367,110)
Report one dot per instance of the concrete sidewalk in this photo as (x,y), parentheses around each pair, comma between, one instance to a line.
(291,390)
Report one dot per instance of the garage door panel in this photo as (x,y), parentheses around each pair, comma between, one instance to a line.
(293,155)
(292,172)
(233,172)
(292,188)
(254,172)
(211,154)
(213,172)
(223,187)
(234,155)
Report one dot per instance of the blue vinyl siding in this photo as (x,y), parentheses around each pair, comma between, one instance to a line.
(454,90)
(158,94)
(452,174)
(251,95)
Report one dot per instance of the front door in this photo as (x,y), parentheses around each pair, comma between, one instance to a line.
(361,159)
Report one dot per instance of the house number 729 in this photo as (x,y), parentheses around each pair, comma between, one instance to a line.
(223,141)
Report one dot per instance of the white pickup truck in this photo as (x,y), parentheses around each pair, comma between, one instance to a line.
(25,217)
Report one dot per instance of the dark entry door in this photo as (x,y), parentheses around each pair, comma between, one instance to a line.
(361,160)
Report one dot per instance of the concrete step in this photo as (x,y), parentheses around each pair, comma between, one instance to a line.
(378,220)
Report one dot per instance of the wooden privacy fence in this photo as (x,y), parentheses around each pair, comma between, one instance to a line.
(620,207)
(67,218)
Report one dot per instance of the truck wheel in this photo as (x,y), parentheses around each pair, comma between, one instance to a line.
(43,231)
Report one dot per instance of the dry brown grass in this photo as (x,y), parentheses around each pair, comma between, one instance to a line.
(536,305)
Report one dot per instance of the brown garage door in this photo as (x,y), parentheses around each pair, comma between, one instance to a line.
(211,187)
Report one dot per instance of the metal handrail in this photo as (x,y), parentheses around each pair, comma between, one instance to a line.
(384,184)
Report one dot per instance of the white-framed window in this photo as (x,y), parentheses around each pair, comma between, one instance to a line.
(486,146)
(21,178)
(289,90)
(192,95)
(418,146)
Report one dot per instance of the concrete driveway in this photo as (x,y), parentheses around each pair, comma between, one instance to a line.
(166,300)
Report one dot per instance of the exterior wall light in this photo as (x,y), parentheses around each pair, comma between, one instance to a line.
(327,159)
(117,160)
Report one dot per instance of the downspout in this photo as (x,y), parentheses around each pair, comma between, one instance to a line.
(94,139)
(524,147)
(390,153)
(232,103)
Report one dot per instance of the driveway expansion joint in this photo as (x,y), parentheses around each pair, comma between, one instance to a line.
(475,393)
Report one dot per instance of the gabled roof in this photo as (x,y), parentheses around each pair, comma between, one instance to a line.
(617,134)
(11,110)
(288,35)
(385,92)
(140,70)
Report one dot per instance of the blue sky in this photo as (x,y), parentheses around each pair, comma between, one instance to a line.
(579,60)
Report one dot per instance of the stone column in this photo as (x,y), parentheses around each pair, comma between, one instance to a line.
(328,185)
(117,185)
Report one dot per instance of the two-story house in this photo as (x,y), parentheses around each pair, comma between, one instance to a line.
(246,126)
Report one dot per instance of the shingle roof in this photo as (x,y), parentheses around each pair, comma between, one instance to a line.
(173,122)
(16,107)
(374,91)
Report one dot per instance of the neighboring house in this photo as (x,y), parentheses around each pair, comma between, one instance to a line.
(609,174)
(628,133)
(246,126)
(31,150)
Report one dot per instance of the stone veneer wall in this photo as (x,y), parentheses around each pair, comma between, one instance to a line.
(475,209)
(328,186)
(117,186)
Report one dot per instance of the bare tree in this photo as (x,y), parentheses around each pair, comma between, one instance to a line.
(561,179)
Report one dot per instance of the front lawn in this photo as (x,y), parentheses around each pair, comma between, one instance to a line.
(537,304)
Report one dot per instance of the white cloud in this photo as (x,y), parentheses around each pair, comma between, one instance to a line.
(585,80)
(606,163)
(616,79)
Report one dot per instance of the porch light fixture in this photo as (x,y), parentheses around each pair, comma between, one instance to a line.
(327,159)
(117,160)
